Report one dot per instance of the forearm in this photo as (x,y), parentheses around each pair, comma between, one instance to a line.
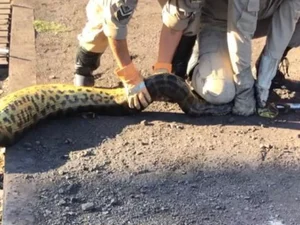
(120,51)
(169,40)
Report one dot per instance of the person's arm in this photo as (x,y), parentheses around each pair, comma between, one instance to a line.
(281,31)
(176,17)
(241,25)
(169,40)
(120,51)
(116,19)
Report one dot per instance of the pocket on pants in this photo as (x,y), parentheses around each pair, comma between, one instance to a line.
(248,19)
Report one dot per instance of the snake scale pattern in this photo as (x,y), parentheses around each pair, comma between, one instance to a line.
(21,110)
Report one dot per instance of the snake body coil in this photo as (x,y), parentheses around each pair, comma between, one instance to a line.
(22,109)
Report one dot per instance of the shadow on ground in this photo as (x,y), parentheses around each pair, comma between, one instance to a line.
(265,196)
(45,147)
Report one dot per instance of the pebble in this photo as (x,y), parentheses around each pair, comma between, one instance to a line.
(47,212)
(61,202)
(53,77)
(68,141)
(61,172)
(145,123)
(70,187)
(105,212)
(65,157)
(114,202)
(87,206)
(298,136)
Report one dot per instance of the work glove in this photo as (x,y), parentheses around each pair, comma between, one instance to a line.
(244,102)
(266,72)
(133,81)
(160,68)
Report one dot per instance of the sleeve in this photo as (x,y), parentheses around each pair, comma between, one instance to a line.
(177,14)
(241,26)
(283,26)
(116,18)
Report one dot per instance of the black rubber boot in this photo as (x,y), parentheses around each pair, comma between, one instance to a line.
(182,55)
(86,63)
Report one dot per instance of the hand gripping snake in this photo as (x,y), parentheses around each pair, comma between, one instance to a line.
(21,110)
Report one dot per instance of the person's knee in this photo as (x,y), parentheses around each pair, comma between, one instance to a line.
(215,85)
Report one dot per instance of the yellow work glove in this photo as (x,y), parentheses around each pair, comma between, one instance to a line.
(159,68)
(136,90)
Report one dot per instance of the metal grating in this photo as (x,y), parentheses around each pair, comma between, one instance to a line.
(5,21)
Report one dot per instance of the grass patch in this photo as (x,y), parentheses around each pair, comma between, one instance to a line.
(42,26)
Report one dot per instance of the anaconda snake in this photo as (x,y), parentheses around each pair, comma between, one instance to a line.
(22,109)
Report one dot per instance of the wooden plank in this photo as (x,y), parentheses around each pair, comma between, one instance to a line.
(4,22)
(5,1)
(4,17)
(4,28)
(4,34)
(3,40)
(5,6)
(22,49)
(19,194)
(4,11)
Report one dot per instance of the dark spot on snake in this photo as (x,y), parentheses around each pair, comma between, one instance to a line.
(12,118)
(80,89)
(6,120)
(23,99)
(85,99)
(71,91)
(9,129)
(111,97)
(27,98)
(52,99)
(43,112)
(63,103)
(101,93)
(106,101)
(37,108)
(76,99)
(36,95)
(44,92)
(67,97)
(6,110)
(60,92)
(12,107)
(48,105)
(23,115)
(43,98)
(57,97)
(19,124)
(50,91)
(53,107)
(30,108)
(88,90)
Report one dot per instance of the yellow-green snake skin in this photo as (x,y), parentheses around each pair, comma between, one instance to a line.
(22,109)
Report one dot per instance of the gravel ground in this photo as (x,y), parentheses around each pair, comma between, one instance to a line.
(159,167)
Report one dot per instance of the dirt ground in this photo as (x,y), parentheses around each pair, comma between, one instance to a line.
(159,167)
